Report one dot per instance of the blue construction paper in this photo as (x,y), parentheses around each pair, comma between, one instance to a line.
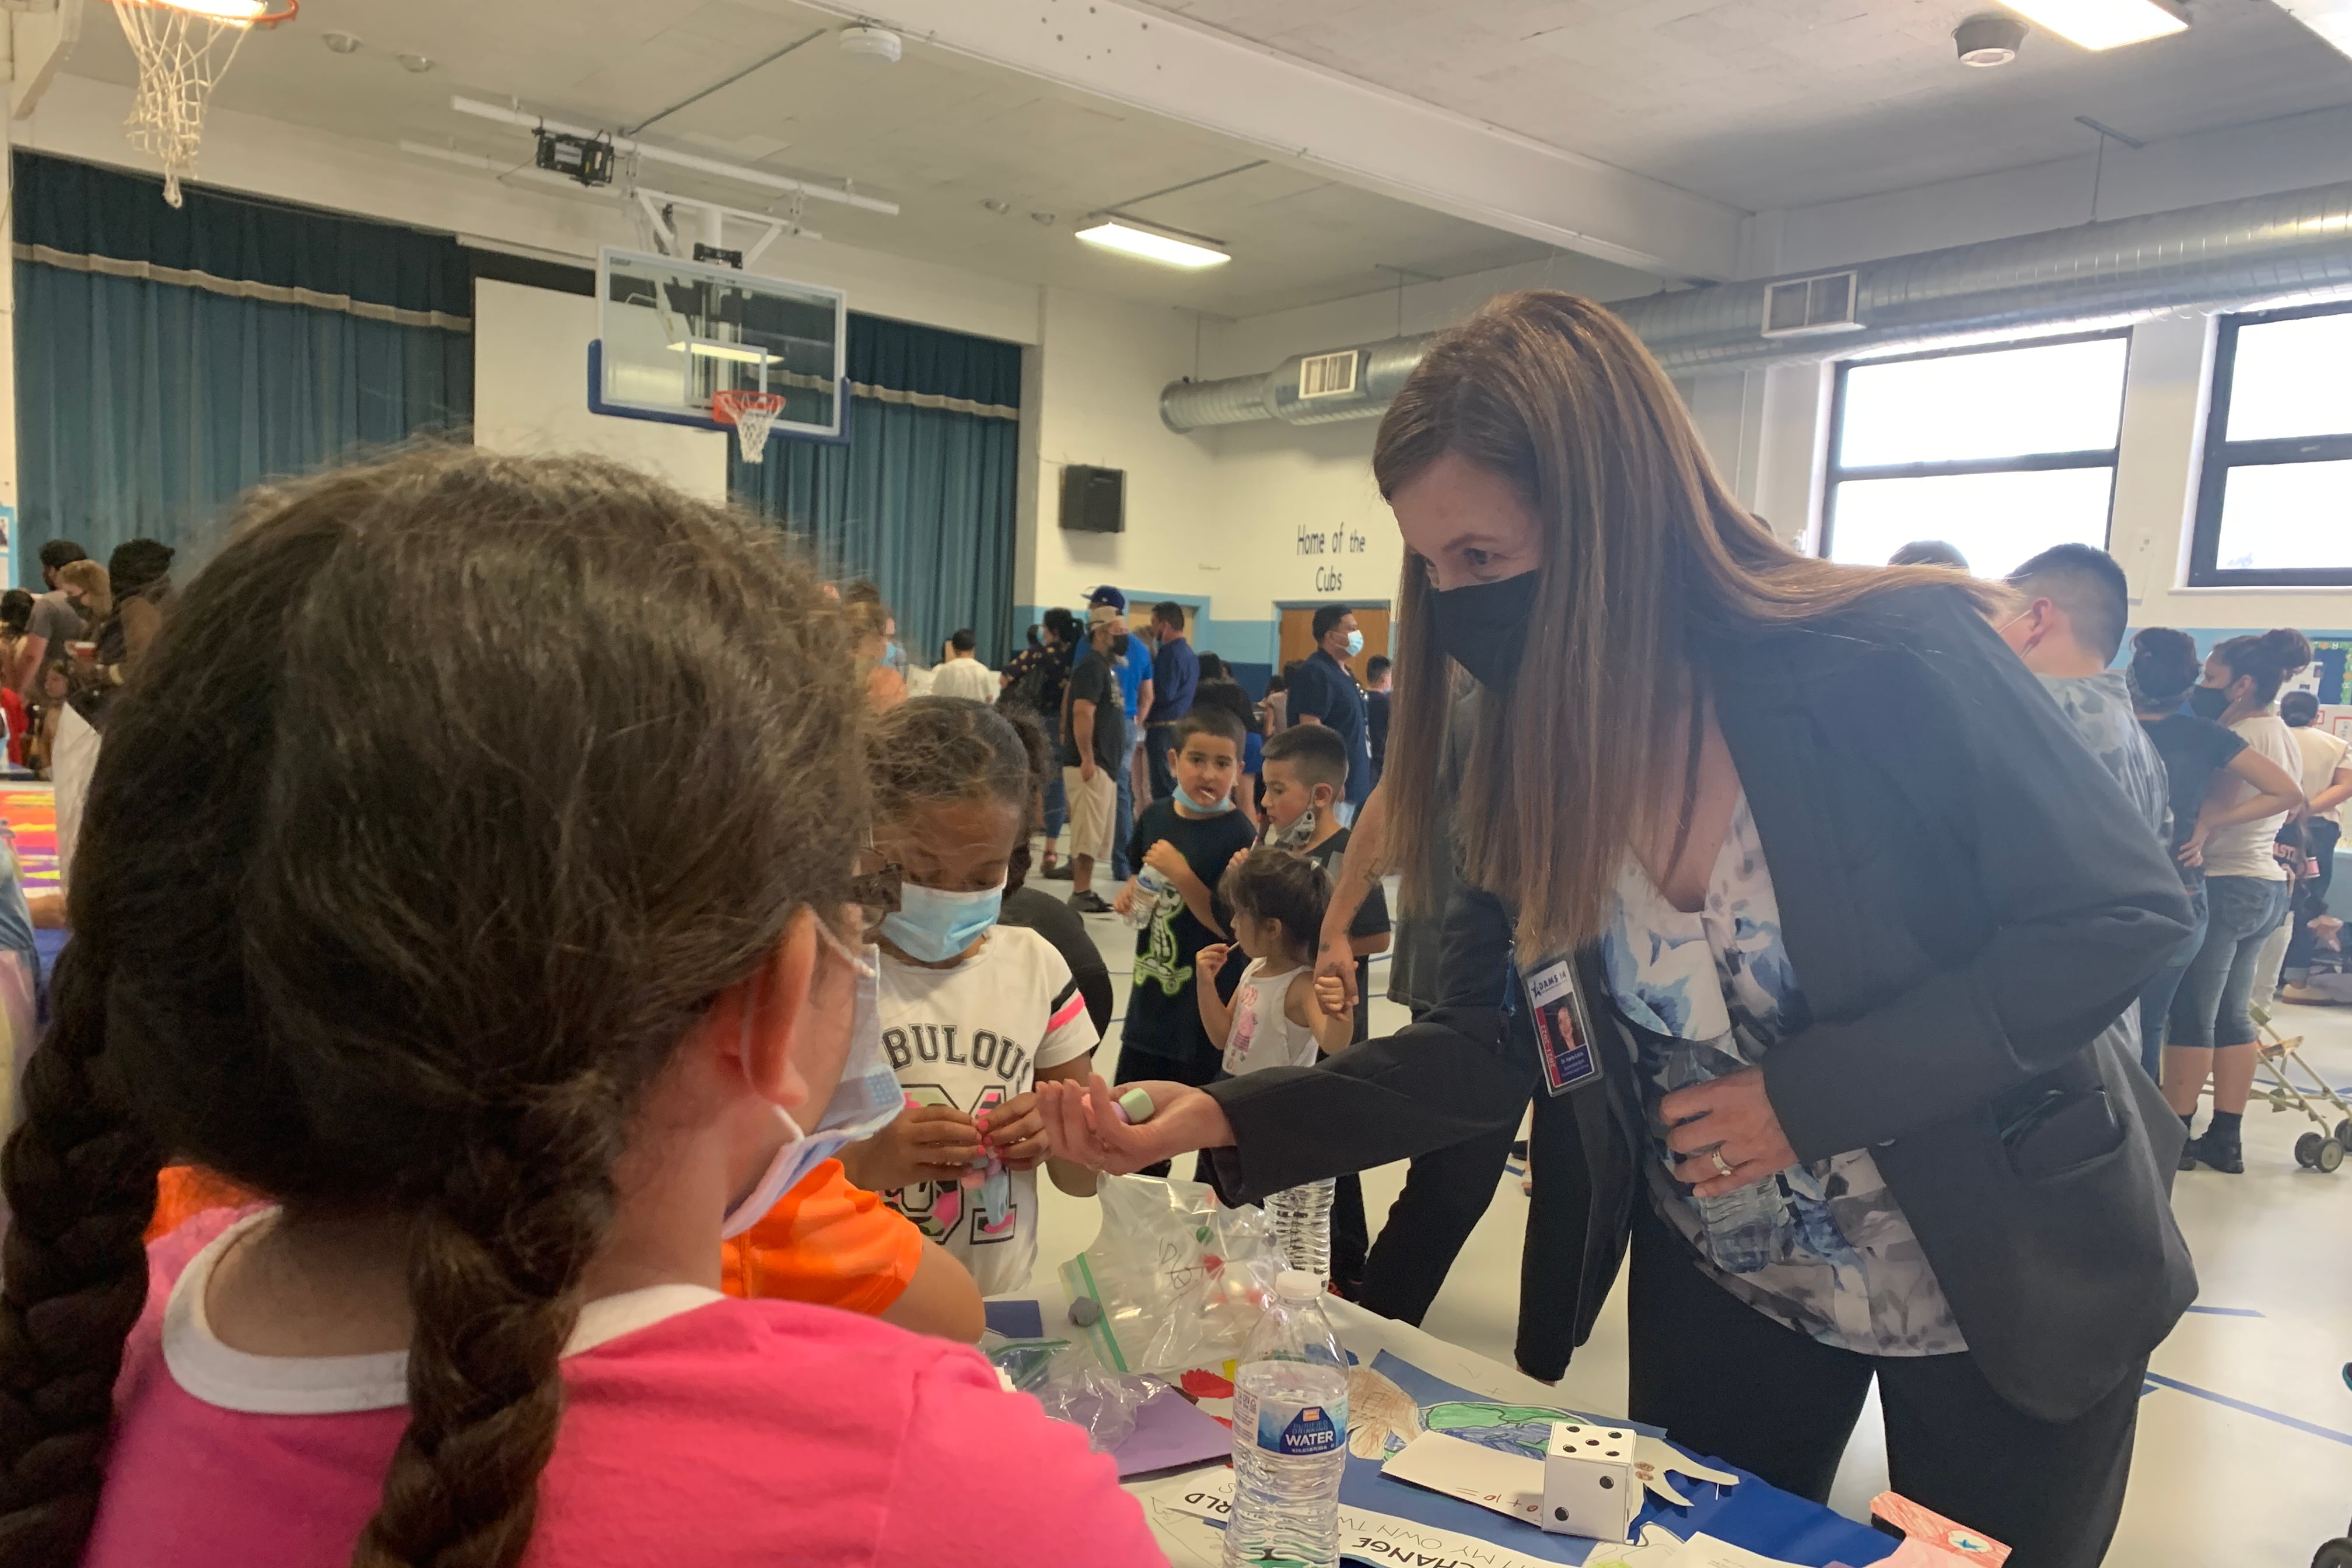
(1016,1320)
(1751,1514)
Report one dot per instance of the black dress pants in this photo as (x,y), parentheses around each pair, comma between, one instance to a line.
(1724,1380)
(1446,1193)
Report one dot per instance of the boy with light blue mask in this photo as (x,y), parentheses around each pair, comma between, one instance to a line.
(973,1014)
(1180,847)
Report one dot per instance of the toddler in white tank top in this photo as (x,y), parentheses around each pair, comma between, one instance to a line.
(1280,1014)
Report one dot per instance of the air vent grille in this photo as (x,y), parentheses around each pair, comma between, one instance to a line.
(1804,306)
(1327,375)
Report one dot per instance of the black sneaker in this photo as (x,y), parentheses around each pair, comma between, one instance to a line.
(2228,1157)
(1059,871)
(1089,904)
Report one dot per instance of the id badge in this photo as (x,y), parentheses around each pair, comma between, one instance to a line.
(1564,1037)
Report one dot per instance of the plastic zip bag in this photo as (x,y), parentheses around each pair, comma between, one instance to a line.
(1180,1279)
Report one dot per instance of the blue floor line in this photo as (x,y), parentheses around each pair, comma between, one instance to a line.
(2239,1404)
(2228,1312)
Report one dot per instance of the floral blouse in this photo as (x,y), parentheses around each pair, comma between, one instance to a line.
(1821,1248)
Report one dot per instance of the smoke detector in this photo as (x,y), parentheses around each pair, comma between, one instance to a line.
(874,43)
(1988,39)
(342,43)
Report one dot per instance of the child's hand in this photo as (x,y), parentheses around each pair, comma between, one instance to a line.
(1210,961)
(1015,1133)
(1331,995)
(1239,856)
(1165,858)
(925,1144)
(1123,901)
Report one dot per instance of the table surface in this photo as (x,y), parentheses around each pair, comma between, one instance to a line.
(1193,1543)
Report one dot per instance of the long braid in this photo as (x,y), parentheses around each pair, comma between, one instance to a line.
(494,1273)
(80,1179)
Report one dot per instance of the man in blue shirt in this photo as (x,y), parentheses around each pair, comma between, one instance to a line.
(1132,658)
(1324,693)
(1175,674)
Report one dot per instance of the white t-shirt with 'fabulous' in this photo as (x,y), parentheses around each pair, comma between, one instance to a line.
(973,1036)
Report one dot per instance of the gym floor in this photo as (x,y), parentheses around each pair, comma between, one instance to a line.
(2245,1434)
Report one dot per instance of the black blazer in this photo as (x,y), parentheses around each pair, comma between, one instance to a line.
(1968,900)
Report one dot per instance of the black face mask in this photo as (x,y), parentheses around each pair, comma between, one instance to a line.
(2209,701)
(1484,627)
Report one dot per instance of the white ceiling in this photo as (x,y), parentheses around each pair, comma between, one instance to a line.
(938,133)
(1768,103)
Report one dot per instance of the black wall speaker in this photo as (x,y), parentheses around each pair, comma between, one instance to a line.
(1094,500)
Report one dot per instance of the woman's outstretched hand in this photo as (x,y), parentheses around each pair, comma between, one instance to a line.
(1730,1116)
(1081,1125)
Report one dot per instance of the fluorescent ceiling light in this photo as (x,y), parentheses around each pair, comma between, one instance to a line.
(711,348)
(1131,238)
(2101,24)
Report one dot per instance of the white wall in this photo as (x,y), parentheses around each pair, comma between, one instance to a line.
(1768,429)
(530,381)
(1098,381)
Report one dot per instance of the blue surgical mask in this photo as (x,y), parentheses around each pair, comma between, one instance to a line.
(931,925)
(1355,643)
(1201,809)
(866,1100)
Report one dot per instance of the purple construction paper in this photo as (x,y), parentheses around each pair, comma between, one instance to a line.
(1171,1431)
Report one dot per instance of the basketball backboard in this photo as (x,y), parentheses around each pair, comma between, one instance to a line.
(673,333)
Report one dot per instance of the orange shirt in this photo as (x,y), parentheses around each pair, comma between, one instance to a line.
(826,1242)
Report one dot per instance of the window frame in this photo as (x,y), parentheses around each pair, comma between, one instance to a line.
(1834,474)
(2219,454)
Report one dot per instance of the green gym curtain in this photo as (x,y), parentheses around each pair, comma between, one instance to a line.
(920,497)
(166,360)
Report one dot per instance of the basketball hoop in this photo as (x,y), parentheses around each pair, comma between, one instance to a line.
(183,47)
(754,414)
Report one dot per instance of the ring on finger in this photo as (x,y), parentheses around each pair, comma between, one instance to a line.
(1722,1166)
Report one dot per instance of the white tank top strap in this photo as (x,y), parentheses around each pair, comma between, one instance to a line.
(1262,1034)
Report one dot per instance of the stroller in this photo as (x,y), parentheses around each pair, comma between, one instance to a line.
(2323,1149)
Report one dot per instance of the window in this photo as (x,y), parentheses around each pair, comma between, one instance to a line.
(1999,452)
(2274,507)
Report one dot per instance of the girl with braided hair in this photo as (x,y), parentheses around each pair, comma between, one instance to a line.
(470,869)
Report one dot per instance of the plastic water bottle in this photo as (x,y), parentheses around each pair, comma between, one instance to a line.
(1290,1434)
(1302,1227)
(1151,888)
(1743,1228)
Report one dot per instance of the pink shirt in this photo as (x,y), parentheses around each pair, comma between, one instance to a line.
(697,1430)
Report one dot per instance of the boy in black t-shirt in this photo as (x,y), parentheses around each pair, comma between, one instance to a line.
(1186,841)
(1303,779)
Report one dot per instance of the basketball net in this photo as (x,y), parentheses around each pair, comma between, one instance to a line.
(754,414)
(183,48)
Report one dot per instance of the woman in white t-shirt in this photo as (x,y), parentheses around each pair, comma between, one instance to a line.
(2245,894)
(974,1012)
(2327,788)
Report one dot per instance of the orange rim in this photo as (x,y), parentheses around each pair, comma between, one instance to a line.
(724,405)
(266,19)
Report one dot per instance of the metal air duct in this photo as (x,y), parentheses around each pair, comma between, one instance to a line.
(2257,249)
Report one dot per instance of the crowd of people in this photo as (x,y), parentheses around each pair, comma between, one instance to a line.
(560,1031)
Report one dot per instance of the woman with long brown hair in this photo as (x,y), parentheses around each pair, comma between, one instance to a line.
(1824,918)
